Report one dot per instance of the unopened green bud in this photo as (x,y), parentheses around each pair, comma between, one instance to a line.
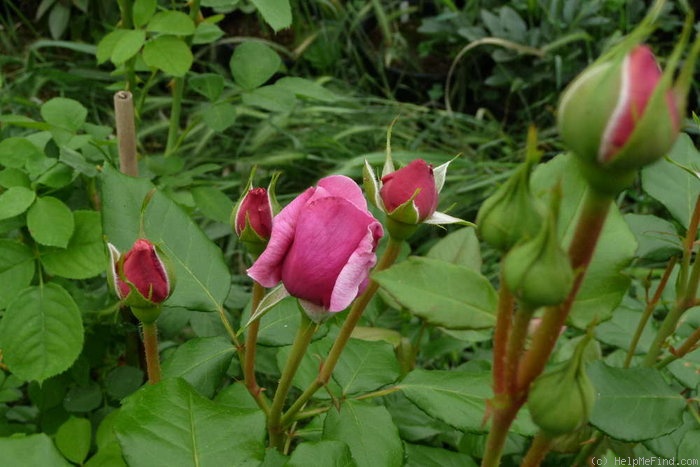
(538,271)
(562,398)
(512,213)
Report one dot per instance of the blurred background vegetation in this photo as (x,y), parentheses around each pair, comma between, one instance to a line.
(465,77)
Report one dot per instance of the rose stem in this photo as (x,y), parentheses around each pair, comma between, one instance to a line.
(539,448)
(392,251)
(150,343)
(302,340)
(249,355)
(588,228)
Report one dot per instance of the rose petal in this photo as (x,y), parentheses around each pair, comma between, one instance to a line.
(267,270)
(328,232)
(354,276)
(640,76)
(344,187)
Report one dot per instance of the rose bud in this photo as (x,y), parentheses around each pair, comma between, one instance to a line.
(409,194)
(322,247)
(624,112)
(252,219)
(561,399)
(512,213)
(538,271)
(140,277)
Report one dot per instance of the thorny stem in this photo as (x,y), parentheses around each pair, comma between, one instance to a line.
(648,310)
(687,288)
(275,428)
(504,320)
(150,344)
(539,448)
(358,307)
(588,229)
(516,346)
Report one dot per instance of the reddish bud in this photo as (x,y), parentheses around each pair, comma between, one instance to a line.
(255,213)
(414,184)
(140,276)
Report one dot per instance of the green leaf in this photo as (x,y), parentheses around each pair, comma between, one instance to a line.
(176,23)
(219,116)
(369,432)
(656,238)
(67,114)
(327,453)
(14,201)
(127,46)
(441,293)
(81,399)
(619,330)
(457,398)
(50,222)
(143,11)
(41,333)
(203,279)
(253,63)
(84,256)
(366,366)
(16,269)
(690,446)
(671,185)
(123,381)
(303,87)
(206,33)
(208,85)
(10,177)
(460,247)
(634,404)
(58,20)
(420,456)
(604,285)
(170,424)
(273,98)
(15,151)
(32,450)
(308,369)
(276,13)
(202,362)
(213,203)
(169,54)
(73,439)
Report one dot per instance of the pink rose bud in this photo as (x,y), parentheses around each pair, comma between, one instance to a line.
(410,194)
(322,246)
(140,276)
(253,216)
(621,113)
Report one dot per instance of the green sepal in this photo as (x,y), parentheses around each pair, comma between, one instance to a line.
(400,230)
(147,314)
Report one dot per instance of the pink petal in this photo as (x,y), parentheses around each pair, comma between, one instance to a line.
(354,276)
(328,232)
(344,187)
(640,76)
(267,270)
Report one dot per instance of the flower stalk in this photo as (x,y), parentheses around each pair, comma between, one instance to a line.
(275,427)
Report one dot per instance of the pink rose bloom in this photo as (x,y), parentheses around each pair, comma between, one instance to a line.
(322,246)
(400,186)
